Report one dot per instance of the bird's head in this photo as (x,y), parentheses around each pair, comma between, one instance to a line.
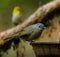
(17,10)
(40,26)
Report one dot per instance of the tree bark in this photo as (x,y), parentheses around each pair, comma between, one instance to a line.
(40,13)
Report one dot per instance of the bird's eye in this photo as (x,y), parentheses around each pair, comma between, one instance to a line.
(39,26)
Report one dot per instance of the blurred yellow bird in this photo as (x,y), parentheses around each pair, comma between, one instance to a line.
(16,15)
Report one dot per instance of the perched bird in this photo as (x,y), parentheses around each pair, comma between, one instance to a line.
(29,33)
(16,19)
(16,15)
(33,31)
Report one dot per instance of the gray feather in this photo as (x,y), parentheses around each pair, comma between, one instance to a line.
(33,31)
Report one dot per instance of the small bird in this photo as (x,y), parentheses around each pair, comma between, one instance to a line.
(16,15)
(29,33)
(33,31)
(16,19)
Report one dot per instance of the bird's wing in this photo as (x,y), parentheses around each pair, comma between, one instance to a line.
(26,31)
(23,33)
(34,35)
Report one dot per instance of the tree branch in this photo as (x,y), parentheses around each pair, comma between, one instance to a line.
(40,13)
